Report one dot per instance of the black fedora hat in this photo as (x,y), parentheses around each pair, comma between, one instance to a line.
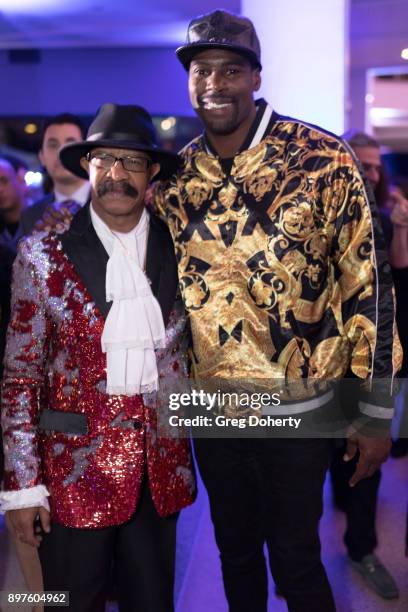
(123,127)
(221,30)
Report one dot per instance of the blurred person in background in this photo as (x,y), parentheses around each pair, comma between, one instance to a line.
(398,216)
(12,191)
(67,192)
(398,202)
(367,150)
(392,201)
(360,502)
(6,262)
(12,202)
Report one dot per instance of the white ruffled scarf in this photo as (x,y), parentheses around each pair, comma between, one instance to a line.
(134,327)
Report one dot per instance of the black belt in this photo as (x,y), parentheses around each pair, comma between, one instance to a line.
(75,422)
(64,422)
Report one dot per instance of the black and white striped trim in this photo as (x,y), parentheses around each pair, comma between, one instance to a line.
(299,407)
(262,126)
(376,412)
(263,119)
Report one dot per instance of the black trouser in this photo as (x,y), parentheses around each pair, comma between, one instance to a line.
(268,491)
(358,502)
(143,553)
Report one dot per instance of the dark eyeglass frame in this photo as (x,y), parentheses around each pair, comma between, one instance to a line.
(104,163)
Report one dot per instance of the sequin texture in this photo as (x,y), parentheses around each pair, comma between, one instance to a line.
(54,361)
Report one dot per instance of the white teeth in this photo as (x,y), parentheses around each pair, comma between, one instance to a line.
(210,105)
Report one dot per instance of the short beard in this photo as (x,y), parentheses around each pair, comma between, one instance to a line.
(222,130)
(219,128)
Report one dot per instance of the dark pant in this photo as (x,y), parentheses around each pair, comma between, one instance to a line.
(358,502)
(268,491)
(141,552)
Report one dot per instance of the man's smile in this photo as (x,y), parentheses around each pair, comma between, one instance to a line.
(215,103)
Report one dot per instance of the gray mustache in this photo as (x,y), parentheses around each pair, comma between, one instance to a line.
(117,186)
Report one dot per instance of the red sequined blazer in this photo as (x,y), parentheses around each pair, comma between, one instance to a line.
(91,450)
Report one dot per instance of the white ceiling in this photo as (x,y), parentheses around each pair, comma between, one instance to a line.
(94,23)
(379,28)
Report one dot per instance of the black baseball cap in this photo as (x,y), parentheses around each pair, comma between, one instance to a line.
(221,30)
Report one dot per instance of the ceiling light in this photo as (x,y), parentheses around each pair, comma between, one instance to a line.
(167,124)
(30,128)
(404,54)
(33,179)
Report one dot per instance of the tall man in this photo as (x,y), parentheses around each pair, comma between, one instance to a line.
(68,192)
(281,279)
(82,448)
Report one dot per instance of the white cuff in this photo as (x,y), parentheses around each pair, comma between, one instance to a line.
(24,498)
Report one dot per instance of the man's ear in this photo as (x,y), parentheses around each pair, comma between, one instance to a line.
(257,79)
(154,170)
(84,164)
(20,175)
(41,157)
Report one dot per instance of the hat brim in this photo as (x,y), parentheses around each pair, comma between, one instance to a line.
(71,155)
(185,53)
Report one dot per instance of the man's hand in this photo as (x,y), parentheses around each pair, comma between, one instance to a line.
(372,453)
(399,214)
(21,523)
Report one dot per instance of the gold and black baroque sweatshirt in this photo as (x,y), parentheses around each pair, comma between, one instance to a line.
(282,263)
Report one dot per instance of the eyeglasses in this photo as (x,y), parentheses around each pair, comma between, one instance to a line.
(130,164)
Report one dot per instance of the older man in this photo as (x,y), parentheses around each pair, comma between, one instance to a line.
(82,449)
(284,279)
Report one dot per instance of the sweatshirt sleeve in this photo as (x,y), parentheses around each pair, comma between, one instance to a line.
(364,282)
(28,339)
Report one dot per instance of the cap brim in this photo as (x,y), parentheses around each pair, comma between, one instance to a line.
(72,153)
(185,53)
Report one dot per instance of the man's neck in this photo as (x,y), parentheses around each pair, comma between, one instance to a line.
(228,145)
(13,215)
(119,223)
(68,190)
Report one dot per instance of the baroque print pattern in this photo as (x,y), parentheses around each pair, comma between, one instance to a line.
(282,250)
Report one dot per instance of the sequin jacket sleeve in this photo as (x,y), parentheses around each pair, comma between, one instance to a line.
(363,293)
(28,340)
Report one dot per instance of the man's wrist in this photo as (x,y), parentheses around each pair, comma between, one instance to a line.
(24,498)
